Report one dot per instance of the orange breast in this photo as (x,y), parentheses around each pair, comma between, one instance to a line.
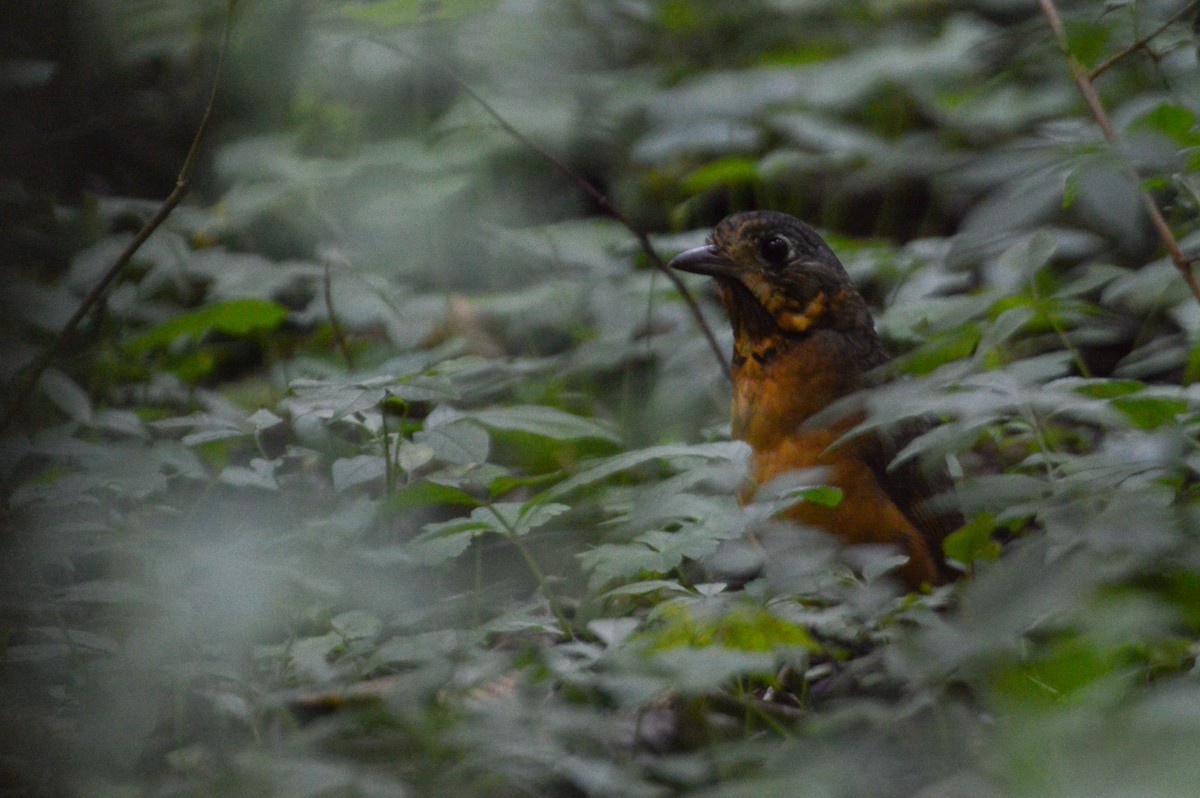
(775,393)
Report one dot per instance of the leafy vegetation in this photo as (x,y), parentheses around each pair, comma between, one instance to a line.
(390,466)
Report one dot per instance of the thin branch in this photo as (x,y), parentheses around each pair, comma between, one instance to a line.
(34,371)
(1092,98)
(597,196)
(600,199)
(1142,43)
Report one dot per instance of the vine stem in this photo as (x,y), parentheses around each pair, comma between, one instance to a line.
(34,371)
(1083,80)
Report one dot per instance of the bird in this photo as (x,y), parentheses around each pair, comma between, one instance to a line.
(804,339)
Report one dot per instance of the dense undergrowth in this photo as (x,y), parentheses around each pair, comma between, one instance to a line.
(391,467)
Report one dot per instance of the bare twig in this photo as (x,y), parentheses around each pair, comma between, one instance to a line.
(1092,98)
(34,371)
(597,196)
(1142,43)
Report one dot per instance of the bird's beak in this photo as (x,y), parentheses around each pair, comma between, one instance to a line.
(704,260)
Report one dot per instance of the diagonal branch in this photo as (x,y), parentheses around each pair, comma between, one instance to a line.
(600,199)
(596,195)
(1142,43)
(28,384)
(1083,80)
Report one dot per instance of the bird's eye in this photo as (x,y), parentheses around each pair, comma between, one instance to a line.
(775,250)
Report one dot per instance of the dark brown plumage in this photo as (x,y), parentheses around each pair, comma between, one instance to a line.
(804,339)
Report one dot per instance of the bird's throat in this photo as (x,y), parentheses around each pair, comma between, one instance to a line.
(747,316)
(780,381)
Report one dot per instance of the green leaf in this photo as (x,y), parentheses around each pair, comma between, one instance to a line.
(309,657)
(599,470)
(1057,674)
(448,539)
(974,541)
(430,494)
(444,541)
(66,394)
(415,649)
(1070,189)
(783,492)
(440,548)
(1174,121)
(357,624)
(237,318)
(824,496)
(711,669)
(944,439)
(548,422)
(1110,389)
(474,479)
(679,16)
(1191,372)
(502,485)
(1087,41)
(517,518)
(458,442)
(613,631)
(206,428)
(1029,256)
(743,629)
(260,474)
(945,347)
(349,472)
(654,552)
(1182,588)
(1151,413)
(419,388)
(732,171)
(413,455)
(647,586)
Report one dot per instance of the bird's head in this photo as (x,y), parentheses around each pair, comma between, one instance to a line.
(777,275)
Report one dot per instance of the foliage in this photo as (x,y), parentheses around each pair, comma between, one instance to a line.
(390,468)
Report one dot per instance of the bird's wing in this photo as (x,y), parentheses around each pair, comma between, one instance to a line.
(923,491)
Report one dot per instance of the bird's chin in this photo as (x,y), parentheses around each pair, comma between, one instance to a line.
(746,313)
